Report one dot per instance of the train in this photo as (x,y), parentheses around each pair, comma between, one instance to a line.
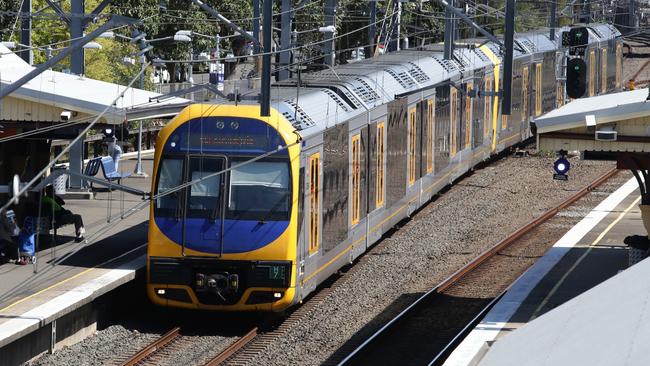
(252,213)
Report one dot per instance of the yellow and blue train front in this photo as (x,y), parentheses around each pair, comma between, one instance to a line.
(227,241)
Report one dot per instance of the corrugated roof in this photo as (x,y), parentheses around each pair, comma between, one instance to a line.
(605,108)
(80,94)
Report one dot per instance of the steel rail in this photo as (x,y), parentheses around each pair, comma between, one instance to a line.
(233,348)
(153,347)
(471,266)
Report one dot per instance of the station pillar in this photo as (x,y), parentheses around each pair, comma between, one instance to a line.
(76,154)
(639,165)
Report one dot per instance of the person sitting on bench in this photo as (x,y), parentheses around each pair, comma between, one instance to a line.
(52,205)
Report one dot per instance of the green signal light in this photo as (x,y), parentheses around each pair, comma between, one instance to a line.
(576,68)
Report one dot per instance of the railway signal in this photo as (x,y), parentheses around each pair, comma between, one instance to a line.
(576,78)
(578,41)
(561,167)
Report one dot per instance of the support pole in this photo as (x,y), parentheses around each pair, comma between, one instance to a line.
(449,30)
(372,29)
(138,172)
(398,26)
(553,20)
(285,40)
(330,19)
(76,31)
(257,15)
(507,62)
(76,154)
(26,32)
(265,103)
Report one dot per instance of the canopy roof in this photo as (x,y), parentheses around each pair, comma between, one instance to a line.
(55,91)
(605,109)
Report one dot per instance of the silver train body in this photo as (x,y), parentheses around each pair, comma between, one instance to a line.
(381,136)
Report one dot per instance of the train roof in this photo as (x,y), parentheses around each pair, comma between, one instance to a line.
(337,94)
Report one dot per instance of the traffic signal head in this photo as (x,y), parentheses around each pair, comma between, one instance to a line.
(578,36)
(576,78)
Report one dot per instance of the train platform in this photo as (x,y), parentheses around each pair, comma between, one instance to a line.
(574,306)
(49,304)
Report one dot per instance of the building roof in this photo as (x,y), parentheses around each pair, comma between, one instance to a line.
(605,109)
(56,91)
(607,325)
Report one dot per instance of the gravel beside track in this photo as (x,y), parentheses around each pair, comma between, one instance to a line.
(422,333)
(464,221)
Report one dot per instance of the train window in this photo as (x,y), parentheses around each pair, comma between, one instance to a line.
(619,57)
(538,89)
(430,116)
(356,176)
(204,196)
(453,103)
(524,94)
(592,72)
(379,192)
(603,71)
(468,116)
(259,190)
(411,145)
(314,203)
(487,110)
(169,178)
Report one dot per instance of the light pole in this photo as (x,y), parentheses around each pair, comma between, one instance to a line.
(138,172)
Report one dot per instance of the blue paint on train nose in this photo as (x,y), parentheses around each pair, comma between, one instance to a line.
(239,236)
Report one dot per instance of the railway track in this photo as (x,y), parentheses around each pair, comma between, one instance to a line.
(428,330)
(158,348)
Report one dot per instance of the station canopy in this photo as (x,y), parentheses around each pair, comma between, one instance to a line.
(45,97)
(607,126)
(605,108)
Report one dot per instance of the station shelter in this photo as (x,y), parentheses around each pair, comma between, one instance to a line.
(57,106)
(606,127)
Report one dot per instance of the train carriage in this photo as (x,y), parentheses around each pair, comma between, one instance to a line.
(252,213)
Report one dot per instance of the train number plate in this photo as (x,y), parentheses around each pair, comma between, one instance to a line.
(276,273)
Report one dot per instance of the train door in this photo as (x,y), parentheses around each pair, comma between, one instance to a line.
(592,73)
(524,94)
(538,89)
(203,212)
(442,125)
(376,182)
(619,65)
(313,199)
(468,116)
(430,134)
(603,70)
(487,109)
(411,146)
(453,121)
(477,111)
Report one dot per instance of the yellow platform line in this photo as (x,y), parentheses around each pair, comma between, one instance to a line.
(68,279)
(582,257)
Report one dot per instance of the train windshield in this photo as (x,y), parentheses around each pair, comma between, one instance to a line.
(203,197)
(170,176)
(258,190)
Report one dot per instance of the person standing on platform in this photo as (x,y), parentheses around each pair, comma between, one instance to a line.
(115,151)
